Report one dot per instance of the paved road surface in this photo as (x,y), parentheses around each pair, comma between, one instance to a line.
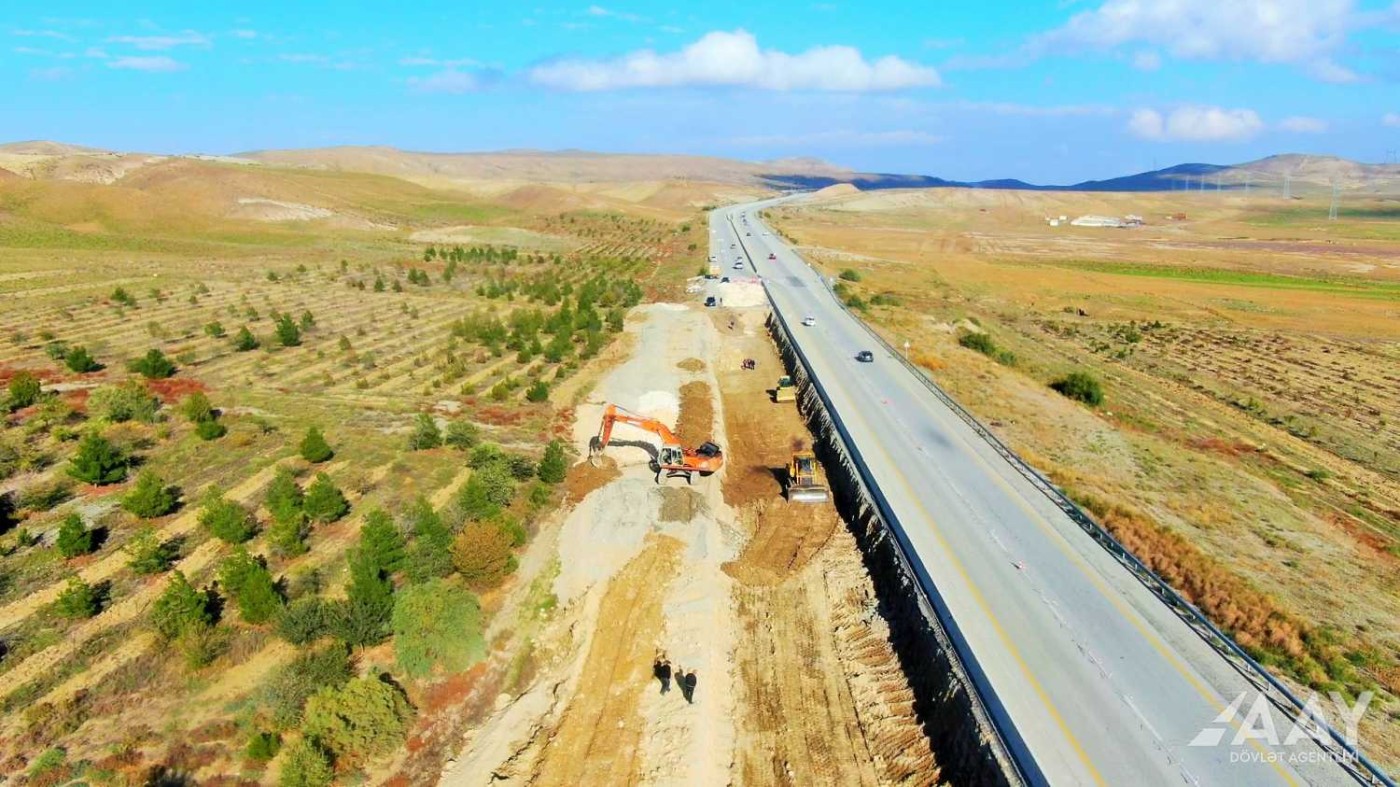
(1091,679)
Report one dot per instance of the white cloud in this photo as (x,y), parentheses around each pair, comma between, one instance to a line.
(735,60)
(1028,110)
(463,62)
(162,42)
(1299,124)
(53,74)
(1391,119)
(1147,60)
(448,81)
(246,35)
(303,57)
(154,64)
(853,139)
(1303,32)
(54,34)
(606,13)
(1195,124)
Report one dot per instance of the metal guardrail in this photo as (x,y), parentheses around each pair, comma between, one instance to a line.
(934,611)
(1344,753)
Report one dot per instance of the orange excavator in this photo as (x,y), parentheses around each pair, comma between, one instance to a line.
(671,458)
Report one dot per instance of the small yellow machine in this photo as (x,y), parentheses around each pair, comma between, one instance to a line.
(802,486)
(785,391)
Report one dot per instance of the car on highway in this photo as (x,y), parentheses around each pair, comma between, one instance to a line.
(809,321)
(738,265)
(724,280)
(772,256)
(710,301)
(865,356)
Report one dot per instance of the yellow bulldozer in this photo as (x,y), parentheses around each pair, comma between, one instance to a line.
(785,391)
(802,486)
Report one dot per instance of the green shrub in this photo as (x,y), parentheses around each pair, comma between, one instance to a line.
(284,498)
(537,392)
(462,434)
(180,608)
(97,461)
(147,554)
(485,454)
(850,274)
(79,360)
(520,467)
(554,466)
(263,746)
(128,401)
(324,503)
(305,620)
(121,296)
(77,601)
(288,334)
(364,718)
(153,365)
(150,498)
(437,624)
(481,552)
(425,433)
(314,448)
(244,340)
(74,538)
(24,390)
(247,579)
(44,496)
(226,520)
(214,330)
(210,430)
(430,550)
(287,535)
(978,341)
(197,408)
(359,625)
(486,492)
(370,600)
(381,542)
(1081,386)
(306,764)
(286,692)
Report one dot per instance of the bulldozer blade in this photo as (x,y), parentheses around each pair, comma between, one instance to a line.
(810,494)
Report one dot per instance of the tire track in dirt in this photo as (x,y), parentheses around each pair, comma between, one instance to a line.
(599,739)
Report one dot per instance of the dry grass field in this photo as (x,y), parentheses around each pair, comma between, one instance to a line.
(1248,441)
(436,338)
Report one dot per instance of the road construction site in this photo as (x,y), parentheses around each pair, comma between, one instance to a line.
(767,601)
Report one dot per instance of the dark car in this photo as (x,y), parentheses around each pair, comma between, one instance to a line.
(724,280)
(710,301)
(865,356)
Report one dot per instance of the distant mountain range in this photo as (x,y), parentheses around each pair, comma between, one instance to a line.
(1300,173)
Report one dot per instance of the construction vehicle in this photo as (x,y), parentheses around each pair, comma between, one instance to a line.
(802,486)
(670,457)
(786,390)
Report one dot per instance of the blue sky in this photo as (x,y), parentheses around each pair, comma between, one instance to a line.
(1046,91)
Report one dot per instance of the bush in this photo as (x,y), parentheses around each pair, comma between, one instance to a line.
(79,360)
(305,620)
(521,468)
(214,330)
(314,447)
(369,601)
(153,365)
(225,519)
(850,274)
(462,434)
(1081,386)
(129,401)
(97,461)
(485,493)
(359,625)
(305,765)
(24,389)
(180,608)
(485,454)
(150,498)
(121,296)
(197,408)
(287,536)
(537,392)
(425,433)
(324,503)
(554,466)
(288,334)
(364,718)
(44,496)
(77,601)
(147,554)
(979,342)
(74,538)
(244,340)
(481,552)
(210,430)
(286,692)
(284,498)
(437,624)
(263,746)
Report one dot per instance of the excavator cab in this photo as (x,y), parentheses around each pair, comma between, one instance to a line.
(802,486)
(671,458)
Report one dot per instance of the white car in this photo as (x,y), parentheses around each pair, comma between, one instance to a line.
(809,321)
(738,266)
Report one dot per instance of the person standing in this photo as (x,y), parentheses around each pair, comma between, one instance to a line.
(687,682)
(662,670)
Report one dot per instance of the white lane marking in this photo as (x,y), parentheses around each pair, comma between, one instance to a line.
(1127,700)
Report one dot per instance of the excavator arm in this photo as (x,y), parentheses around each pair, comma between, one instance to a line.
(672,458)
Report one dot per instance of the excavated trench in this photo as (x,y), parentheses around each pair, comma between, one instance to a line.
(964,750)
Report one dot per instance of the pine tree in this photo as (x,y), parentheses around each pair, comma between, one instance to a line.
(150,498)
(97,461)
(147,554)
(153,365)
(24,390)
(381,542)
(324,502)
(244,340)
(226,519)
(79,360)
(284,498)
(250,583)
(180,608)
(430,551)
(73,536)
(554,466)
(288,334)
(287,536)
(78,600)
(314,447)
(425,433)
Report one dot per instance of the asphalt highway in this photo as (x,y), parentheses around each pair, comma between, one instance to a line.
(1089,677)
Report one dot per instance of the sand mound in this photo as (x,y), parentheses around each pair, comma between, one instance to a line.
(836,190)
(259,209)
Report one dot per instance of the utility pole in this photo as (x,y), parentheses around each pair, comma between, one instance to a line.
(1247,177)
(1288,187)
(1332,212)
